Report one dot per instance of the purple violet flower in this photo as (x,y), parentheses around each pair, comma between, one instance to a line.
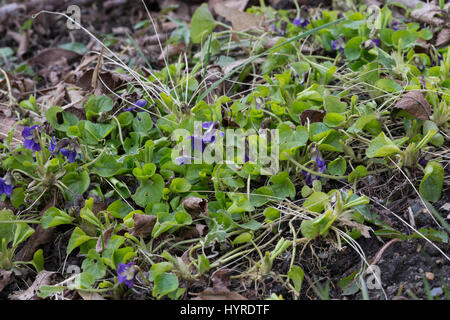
(52,146)
(371,43)
(183,160)
(437,62)
(395,25)
(423,162)
(377,42)
(31,138)
(210,135)
(138,104)
(302,22)
(319,165)
(199,143)
(5,188)
(338,44)
(69,154)
(126,273)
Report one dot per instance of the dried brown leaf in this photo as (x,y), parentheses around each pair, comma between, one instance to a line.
(106,79)
(43,278)
(6,277)
(443,38)
(195,206)
(6,124)
(363,228)
(39,237)
(431,14)
(219,291)
(312,115)
(241,21)
(106,236)
(22,39)
(143,224)
(192,233)
(415,104)
(171,50)
(48,57)
(90,295)
(235,4)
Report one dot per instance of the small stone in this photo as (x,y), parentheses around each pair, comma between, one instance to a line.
(429,276)
(323,255)
(446,207)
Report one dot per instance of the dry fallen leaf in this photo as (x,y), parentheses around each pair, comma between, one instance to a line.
(90,295)
(241,21)
(443,38)
(171,50)
(219,291)
(43,278)
(106,236)
(39,237)
(364,229)
(431,14)
(6,124)
(5,278)
(22,39)
(415,104)
(106,79)
(195,206)
(48,57)
(192,233)
(312,115)
(235,4)
(143,224)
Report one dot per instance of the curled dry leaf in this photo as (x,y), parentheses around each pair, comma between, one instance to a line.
(219,291)
(195,206)
(364,229)
(235,4)
(39,237)
(152,39)
(241,21)
(106,79)
(5,278)
(22,39)
(192,233)
(106,236)
(431,14)
(6,124)
(415,104)
(54,97)
(90,295)
(48,57)
(171,50)
(443,37)
(143,224)
(43,278)
(312,115)
(76,98)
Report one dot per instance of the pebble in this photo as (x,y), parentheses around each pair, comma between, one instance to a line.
(429,276)
(323,255)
